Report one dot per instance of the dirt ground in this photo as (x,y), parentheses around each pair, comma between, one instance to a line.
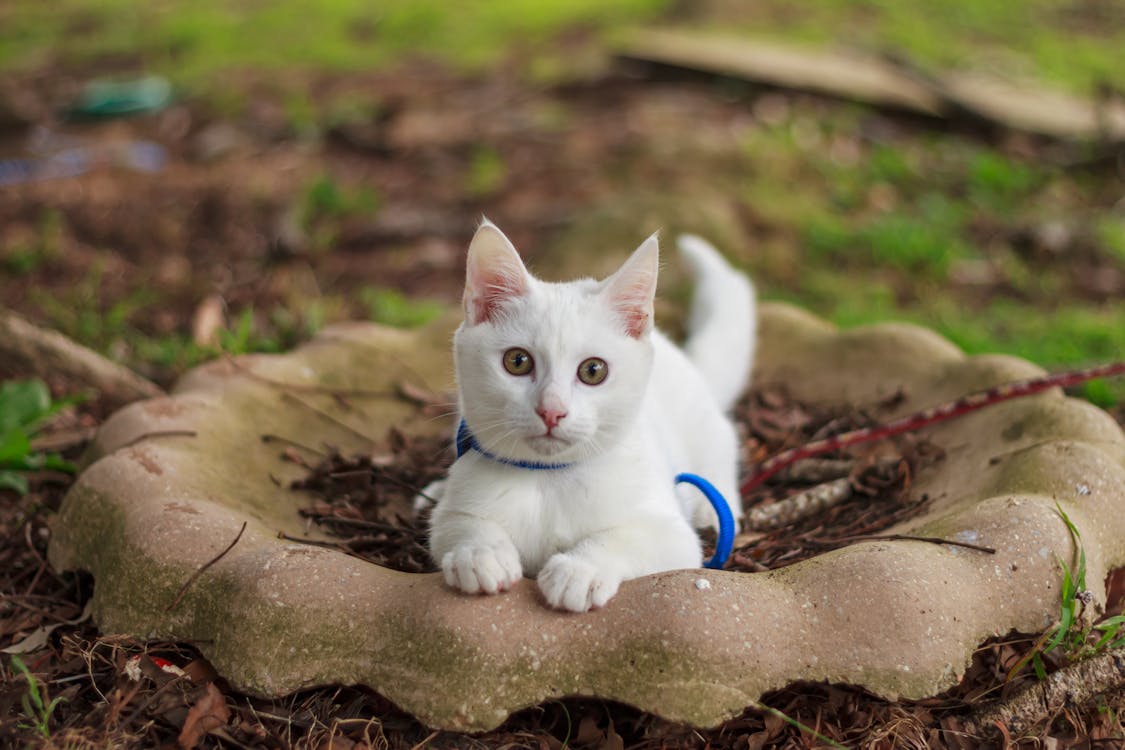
(293,220)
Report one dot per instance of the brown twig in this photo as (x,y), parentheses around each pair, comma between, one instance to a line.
(358,523)
(195,576)
(158,434)
(313,542)
(321,412)
(909,538)
(928,417)
(270,438)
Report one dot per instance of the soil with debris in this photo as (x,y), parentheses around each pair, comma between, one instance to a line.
(108,690)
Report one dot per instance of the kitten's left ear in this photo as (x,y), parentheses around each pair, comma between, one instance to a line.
(630,291)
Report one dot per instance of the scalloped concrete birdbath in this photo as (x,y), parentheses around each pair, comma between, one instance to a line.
(900,618)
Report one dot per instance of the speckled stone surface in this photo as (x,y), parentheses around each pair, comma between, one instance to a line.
(170,481)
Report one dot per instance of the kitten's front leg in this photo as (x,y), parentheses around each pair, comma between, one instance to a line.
(587,576)
(477,556)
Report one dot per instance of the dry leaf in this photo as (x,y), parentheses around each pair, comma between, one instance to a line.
(613,741)
(209,712)
(588,731)
(200,671)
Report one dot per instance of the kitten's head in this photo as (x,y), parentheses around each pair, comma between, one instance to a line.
(552,370)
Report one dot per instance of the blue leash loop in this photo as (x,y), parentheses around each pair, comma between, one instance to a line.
(467,442)
(725,543)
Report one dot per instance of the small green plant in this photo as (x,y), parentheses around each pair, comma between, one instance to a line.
(394,308)
(243,337)
(1112,637)
(997,182)
(24,406)
(1069,634)
(326,199)
(487,172)
(37,704)
(326,205)
(31,253)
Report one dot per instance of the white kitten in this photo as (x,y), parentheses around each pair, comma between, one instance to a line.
(577,415)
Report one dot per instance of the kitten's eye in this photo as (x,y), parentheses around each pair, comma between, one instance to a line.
(593,371)
(518,362)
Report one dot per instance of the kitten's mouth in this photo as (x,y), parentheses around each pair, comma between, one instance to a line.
(549,444)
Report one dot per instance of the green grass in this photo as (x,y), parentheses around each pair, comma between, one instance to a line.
(192,41)
(487,172)
(1073,46)
(896,227)
(36,702)
(1054,336)
(325,204)
(35,251)
(391,307)
(926,240)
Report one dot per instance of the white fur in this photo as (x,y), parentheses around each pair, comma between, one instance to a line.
(615,513)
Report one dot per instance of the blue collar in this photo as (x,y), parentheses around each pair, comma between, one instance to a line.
(466,442)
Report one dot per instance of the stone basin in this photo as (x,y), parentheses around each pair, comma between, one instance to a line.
(170,482)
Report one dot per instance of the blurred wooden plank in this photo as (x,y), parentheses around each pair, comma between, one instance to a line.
(1037,110)
(881,82)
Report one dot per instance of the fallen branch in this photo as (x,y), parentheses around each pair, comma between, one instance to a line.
(798,506)
(1073,685)
(48,353)
(928,417)
(911,538)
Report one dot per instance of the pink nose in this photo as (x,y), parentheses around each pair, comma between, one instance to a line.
(550,417)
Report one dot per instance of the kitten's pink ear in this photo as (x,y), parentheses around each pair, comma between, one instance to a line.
(494,274)
(630,291)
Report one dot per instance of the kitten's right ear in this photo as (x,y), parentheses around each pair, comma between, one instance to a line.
(494,274)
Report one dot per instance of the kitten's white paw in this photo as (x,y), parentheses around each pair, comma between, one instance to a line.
(479,569)
(429,497)
(568,582)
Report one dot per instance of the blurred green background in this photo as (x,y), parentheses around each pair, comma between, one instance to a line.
(329,160)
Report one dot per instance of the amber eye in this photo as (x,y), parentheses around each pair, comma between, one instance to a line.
(518,362)
(593,371)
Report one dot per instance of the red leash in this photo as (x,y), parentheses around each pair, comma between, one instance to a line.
(927,417)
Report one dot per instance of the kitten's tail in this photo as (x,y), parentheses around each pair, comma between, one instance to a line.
(722,327)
